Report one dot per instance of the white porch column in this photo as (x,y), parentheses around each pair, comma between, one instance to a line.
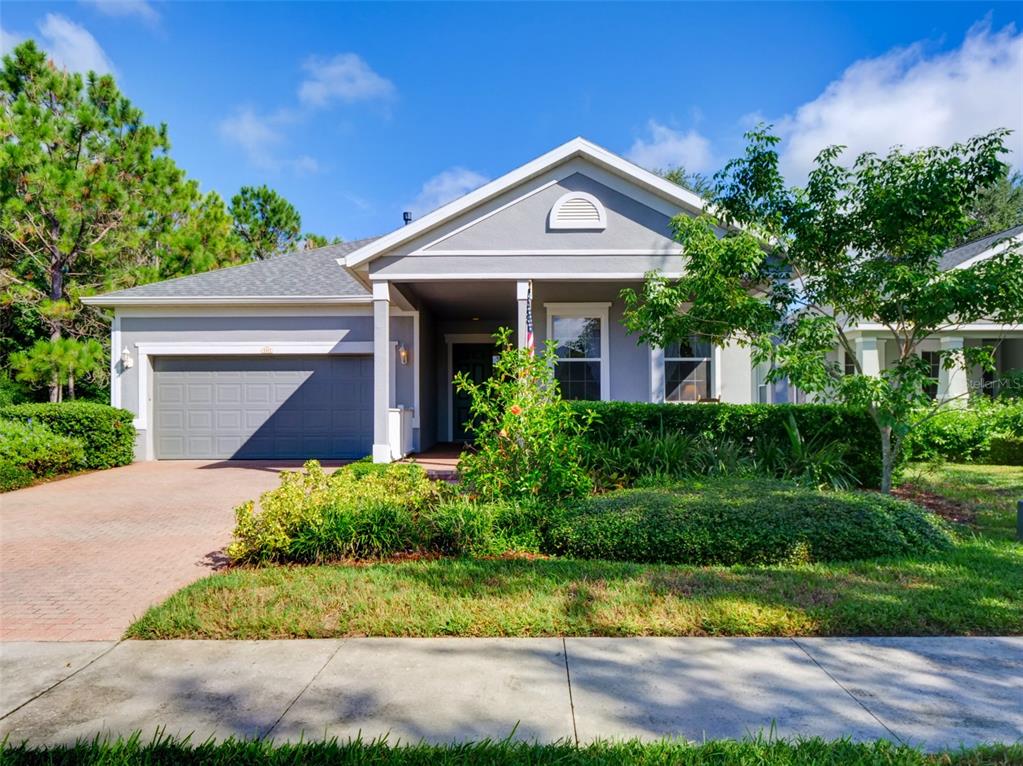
(870,355)
(954,383)
(521,296)
(381,371)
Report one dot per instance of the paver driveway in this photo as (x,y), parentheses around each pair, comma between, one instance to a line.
(81,557)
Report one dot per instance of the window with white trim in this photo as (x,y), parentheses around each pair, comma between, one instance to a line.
(579,333)
(687,371)
(933,361)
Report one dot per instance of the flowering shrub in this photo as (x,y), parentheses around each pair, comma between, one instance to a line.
(528,441)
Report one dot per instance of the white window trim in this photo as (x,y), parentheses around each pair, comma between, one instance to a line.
(555,225)
(599,310)
(659,380)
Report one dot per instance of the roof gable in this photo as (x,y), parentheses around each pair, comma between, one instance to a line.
(601,165)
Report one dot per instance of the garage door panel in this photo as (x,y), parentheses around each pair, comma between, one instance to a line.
(263,407)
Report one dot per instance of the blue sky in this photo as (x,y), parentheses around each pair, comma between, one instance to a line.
(357,112)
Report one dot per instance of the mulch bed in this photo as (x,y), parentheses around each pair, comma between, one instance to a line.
(950,510)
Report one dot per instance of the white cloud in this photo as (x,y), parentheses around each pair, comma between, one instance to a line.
(445,186)
(139,9)
(345,77)
(260,139)
(667,148)
(908,97)
(72,46)
(254,134)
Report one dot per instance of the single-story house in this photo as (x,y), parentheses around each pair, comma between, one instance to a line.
(350,349)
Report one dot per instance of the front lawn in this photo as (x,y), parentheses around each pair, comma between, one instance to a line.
(759,752)
(974,588)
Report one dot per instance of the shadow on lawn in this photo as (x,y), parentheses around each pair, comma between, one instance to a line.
(975,589)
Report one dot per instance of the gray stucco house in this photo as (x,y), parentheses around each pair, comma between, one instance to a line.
(349,350)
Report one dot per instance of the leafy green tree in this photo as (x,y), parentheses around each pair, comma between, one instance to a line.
(203,238)
(802,268)
(267,224)
(695,182)
(85,186)
(997,208)
(59,363)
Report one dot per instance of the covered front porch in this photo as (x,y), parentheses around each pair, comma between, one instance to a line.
(455,322)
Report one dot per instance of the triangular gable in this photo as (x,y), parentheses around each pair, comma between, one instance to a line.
(511,213)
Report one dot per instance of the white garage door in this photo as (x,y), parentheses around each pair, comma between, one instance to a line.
(258,407)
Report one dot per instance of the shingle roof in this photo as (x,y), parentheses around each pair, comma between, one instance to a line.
(963,253)
(306,273)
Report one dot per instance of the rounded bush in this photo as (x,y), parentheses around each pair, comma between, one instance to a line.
(743,522)
(38,450)
(14,477)
(107,432)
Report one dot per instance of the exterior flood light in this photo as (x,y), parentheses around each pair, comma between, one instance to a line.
(126,361)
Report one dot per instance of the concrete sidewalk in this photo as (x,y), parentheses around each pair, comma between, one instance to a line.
(932,692)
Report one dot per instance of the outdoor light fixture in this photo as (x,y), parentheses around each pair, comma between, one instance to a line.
(402,354)
(126,361)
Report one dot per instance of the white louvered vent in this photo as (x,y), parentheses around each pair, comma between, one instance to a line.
(578,210)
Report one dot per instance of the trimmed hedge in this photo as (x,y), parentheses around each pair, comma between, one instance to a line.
(1006,450)
(747,522)
(966,434)
(14,476)
(106,432)
(625,422)
(38,450)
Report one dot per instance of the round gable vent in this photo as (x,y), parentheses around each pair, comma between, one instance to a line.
(578,210)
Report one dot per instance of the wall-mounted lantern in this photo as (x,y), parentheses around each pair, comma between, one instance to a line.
(402,354)
(126,361)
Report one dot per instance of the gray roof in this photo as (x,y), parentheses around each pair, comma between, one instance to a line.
(306,273)
(963,253)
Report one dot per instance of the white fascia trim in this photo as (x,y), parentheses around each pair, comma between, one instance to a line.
(986,327)
(536,276)
(365,309)
(232,300)
(589,253)
(601,310)
(995,249)
(577,147)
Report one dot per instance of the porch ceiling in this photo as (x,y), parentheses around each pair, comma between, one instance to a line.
(466,299)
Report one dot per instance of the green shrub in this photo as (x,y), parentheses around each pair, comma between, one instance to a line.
(11,391)
(638,439)
(106,432)
(464,527)
(752,522)
(964,434)
(14,476)
(35,448)
(353,513)
(1006,450)
(527,440)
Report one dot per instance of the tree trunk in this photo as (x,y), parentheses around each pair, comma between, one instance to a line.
(56,294)
(71,386)
(887,460)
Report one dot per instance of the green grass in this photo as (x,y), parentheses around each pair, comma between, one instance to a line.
(748,752)
(976,588)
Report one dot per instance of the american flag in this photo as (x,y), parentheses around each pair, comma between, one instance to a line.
(530,341)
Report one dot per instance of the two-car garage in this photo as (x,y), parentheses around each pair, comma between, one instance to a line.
(262,407)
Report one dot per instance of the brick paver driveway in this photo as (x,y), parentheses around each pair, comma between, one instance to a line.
(80,558)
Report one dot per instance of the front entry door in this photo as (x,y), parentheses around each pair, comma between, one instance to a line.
(477,361)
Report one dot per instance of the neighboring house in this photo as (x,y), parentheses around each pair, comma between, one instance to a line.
(350,349)
(876,348)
